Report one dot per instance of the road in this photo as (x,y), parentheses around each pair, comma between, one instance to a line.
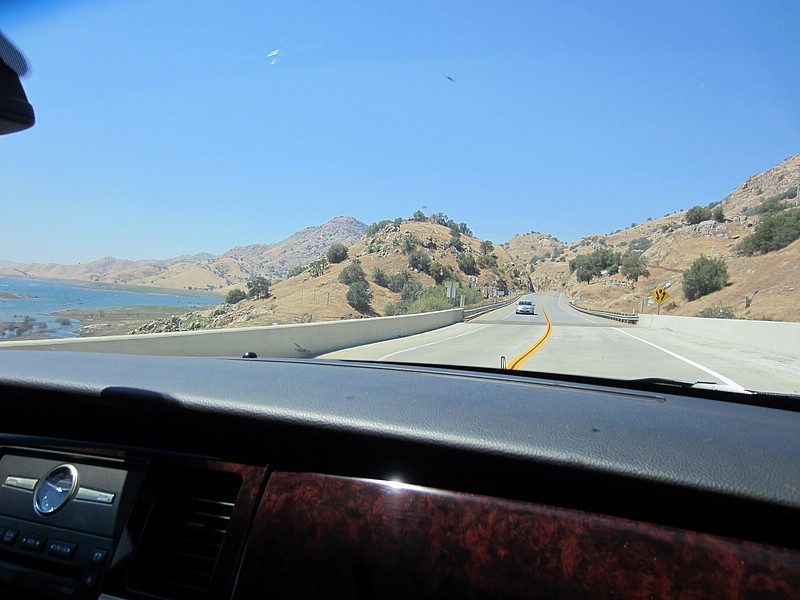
(574,343)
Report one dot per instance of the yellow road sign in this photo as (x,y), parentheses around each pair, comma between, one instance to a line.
(660,295)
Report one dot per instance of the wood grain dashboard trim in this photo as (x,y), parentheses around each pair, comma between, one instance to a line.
(335,537)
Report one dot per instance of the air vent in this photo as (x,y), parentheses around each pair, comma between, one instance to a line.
(182,539)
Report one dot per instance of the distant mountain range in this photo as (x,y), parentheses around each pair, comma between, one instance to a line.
(205,271)
(770,282)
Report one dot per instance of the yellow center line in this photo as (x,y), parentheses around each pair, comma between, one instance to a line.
(516,364)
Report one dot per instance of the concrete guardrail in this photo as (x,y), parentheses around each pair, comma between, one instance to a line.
(284,341)
(777,337)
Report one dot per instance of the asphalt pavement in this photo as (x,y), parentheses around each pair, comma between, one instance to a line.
(559,339)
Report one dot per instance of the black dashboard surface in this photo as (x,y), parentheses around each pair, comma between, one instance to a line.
(416,423)
(315,459)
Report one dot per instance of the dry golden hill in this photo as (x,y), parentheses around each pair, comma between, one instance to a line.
(307,298)
(761,287)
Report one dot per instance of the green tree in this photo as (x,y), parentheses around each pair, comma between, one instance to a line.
(463,228)
(419,260)
(697,214)
(467,264)
(337,252)
(440,218)
(486,247)
(380,277)
(718,214)
(359,295)
(419,216)
(411,291)
(295,271)
(776,230)
(486,261)
(352,273)
(376,227)
(585,272)
(634,266)
(706,275)
(641,244)
(409,243)
(771,205)
(317,267)
(398,281)
(588,266)
(440,272)
(258,288)
(235,296)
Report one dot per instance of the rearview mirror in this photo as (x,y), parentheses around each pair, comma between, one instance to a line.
(16,113)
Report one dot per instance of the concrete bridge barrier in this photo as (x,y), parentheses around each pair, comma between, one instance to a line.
(777,337)
(283,341)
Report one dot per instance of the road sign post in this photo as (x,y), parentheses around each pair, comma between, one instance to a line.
(659,295)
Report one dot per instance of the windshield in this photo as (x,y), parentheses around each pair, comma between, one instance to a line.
(580,188)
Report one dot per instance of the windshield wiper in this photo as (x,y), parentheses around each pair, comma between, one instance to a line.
(695,385)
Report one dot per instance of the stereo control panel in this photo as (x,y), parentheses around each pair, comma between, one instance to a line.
(61,517)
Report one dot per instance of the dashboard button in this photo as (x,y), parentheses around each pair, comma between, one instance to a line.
(62,549)
(32,542)
(9,536)
(89,580)
(99,556)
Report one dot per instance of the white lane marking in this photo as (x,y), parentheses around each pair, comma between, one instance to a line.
(572,312)
(722,378)
(385,356)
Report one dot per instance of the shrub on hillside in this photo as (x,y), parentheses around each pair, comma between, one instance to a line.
(706,275)
(235,296)
(352,273)
(380,277)
(411,291)
(409,243)
(440,272)
(467,264)
(717,312)
(776,230)
(359,295)
(398,281)
(336,253)
(419,260)
(697,214)
(376,227)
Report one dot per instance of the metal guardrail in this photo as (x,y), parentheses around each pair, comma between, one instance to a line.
(471,313)
(623,317)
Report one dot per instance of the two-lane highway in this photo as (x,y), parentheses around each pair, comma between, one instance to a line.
(558,339)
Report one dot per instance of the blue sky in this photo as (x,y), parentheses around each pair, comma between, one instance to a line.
(164,127)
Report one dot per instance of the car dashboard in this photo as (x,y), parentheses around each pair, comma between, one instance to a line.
(169,477)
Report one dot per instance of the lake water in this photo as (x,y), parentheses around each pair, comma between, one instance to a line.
(43,297)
